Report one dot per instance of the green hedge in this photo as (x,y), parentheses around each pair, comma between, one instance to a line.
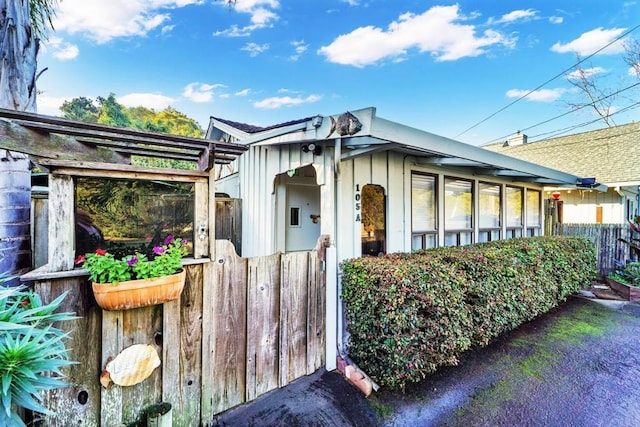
(408,314)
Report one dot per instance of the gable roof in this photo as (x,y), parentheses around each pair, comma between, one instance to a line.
(377,134)
(611,155)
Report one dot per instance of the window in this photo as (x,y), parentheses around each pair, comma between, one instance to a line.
(458,212)
(423,211)
(126,216)
(514,198)
(534,213)
(490,218)
(373,220)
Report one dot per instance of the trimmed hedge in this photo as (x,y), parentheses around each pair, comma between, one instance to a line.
(408,314)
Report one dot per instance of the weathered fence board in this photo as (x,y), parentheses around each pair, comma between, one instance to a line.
(241,328)
(263,328)
(606,238)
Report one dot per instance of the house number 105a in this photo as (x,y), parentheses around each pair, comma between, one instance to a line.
(357,199)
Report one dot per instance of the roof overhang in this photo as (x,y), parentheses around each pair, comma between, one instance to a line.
(378,134)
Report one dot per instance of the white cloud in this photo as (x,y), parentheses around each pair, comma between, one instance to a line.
(437,31)
(50,105)
(285,101)
(102,21)
(262,16)
(543,95)
(255,49)
(60,49)
(200,92)
(154,101)
(556,19)
(243,92)
(516,15)
(300,48)
(351,2)
(591,41)
(587,72)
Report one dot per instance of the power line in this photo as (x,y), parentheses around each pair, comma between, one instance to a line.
(548,81)
(571,112)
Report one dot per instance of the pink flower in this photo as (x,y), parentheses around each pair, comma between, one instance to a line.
(158,250)
(101,252)
(132,261)
(80,259)
(169,239)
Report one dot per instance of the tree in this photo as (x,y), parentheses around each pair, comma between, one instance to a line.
(82,109)
(22,24)
(594,94)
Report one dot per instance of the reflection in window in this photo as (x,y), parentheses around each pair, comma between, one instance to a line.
(125,216)
(534,214)
(514,211)
(373,220)
(423,211)
(458,208)
(489,218)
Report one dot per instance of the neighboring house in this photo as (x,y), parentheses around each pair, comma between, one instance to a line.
(374,186)
(611,155)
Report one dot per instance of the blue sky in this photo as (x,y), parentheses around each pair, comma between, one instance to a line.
(444,67)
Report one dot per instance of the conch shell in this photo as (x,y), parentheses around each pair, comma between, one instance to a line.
(133,365)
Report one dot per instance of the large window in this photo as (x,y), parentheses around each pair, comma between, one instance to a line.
(514,212)
(458,212)
(424,226)
(534,213)
(126,216)
(490,218)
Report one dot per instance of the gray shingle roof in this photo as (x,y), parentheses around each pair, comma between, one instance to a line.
(610,155)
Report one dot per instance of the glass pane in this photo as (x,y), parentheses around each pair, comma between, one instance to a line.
(127,216)
(489,205)
(373,220)
(458,204)
(423,202)
(533,207)
(514,207)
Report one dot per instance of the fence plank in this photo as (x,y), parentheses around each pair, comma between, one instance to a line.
(263,310)
(229,326)
(606,238)
(316,313)
(80,401)
(111,398)
(293,316)
(141,326)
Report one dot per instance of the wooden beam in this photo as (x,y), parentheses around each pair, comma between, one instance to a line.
(18,138)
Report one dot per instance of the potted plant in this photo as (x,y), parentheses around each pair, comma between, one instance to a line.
(32,351)
(137,280)
(626,281)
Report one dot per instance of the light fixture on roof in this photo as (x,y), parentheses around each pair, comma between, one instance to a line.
(316,122)
(586,182)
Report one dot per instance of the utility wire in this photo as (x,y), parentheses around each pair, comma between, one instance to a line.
(571,112)
(548,81)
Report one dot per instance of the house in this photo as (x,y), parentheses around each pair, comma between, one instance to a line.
(610,154)
(375,186)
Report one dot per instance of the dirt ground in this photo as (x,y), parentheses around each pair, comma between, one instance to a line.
(578,365)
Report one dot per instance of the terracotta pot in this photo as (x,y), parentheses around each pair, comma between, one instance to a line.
(139,293)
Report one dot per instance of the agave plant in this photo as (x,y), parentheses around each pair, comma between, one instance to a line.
(32,351)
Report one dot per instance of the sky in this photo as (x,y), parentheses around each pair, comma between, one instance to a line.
(475,71)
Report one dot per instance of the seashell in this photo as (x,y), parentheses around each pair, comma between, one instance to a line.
(133,365)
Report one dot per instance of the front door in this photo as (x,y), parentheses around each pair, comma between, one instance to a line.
(302,228)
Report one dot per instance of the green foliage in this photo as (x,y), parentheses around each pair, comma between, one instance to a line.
(104,267)
(628,274)
(408,314)
(82,109)
(32,351)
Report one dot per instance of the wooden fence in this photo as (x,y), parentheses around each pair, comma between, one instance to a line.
(241,327)
(605,237)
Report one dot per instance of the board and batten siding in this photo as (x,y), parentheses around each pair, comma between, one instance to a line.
(261,216)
